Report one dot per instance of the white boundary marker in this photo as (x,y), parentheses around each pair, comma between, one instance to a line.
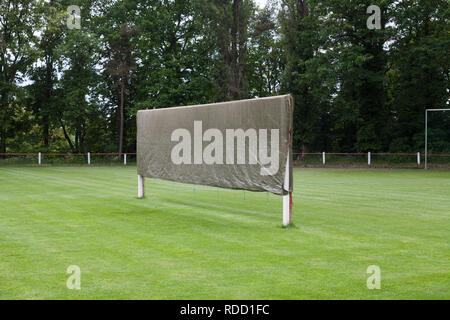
(418,158)
(125,159)
(89,158)
(323,157)
(368,158)
(39,158)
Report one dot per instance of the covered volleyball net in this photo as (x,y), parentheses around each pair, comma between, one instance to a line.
(241,145)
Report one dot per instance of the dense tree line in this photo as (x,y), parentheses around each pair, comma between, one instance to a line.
(356,89)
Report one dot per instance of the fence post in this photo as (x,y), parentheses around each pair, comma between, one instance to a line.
(368,158)
(89,158)
(418,158)
(125,159)
(323,157)
(39,158)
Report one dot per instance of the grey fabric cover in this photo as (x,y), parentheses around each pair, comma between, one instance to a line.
(154,145)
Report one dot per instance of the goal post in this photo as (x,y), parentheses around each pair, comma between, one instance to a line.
(426,132)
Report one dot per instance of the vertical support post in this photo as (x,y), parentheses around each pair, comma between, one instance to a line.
(125,159)
(39,158)
(89,158)
(418,158)
(287,199)
(141,186)
(368,158)
(426,139)
(323,157)
(286,205)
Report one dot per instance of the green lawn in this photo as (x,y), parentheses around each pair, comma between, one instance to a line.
(186,242)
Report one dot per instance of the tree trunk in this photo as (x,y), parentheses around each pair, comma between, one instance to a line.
(3,106)
(121,114)
(234,83)
(66,135)
(48,90)
(45,130)
(2,142)
(304,150)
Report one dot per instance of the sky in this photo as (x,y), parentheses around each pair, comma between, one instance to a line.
(261,3)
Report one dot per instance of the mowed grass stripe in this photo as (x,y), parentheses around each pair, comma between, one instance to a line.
(214,243)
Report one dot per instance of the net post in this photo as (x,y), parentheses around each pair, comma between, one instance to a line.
(89,158)
(286,214)
(368,158)
(39,158)
(323,157)
(287,199)
(141,187)
(291,203)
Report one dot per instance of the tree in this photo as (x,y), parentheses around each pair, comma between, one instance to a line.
(18,20)
(265,54)
(308,71)
(419,75)
(228,23)
(117,30)
(44,75)
(174,63)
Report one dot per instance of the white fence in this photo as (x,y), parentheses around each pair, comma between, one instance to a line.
(89,158)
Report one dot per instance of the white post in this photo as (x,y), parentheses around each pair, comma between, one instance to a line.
(125,159)
(323,157)
(368,158)
(287,199)
(286,210)
(141,186)
(39,158)
(89,158)
(418,158)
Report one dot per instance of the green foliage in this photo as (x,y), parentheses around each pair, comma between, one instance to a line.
(18,21)
(420,74)
(355,89)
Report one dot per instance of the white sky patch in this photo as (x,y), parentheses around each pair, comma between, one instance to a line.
(261,3)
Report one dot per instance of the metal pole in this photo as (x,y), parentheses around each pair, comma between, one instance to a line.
(426,139)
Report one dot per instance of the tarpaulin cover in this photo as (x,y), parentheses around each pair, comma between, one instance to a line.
(159,141)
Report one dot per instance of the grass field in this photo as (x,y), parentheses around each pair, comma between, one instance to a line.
(186,242)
